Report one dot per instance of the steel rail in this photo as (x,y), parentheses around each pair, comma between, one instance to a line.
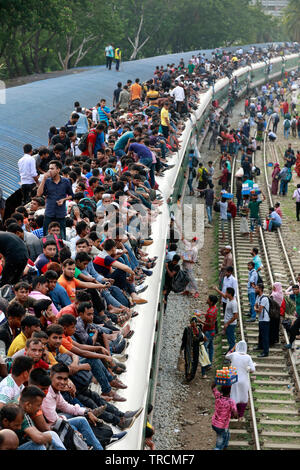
(292,359)
(251,399)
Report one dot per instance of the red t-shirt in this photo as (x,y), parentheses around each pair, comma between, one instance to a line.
(92,137)
(210,319)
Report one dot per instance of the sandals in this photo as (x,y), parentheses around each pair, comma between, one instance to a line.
(129,334)
(117,370)
(134,314)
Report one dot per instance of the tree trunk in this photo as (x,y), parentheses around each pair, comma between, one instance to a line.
(135,45)
(65,62)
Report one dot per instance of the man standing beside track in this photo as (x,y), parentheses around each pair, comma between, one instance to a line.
(262,307)
(252,281)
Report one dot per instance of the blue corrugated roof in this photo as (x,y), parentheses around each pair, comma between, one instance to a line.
(32,108)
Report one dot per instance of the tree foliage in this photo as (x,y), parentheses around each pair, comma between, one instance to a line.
(39,36)
(291,20)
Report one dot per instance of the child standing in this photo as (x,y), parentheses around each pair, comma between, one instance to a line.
(224,408)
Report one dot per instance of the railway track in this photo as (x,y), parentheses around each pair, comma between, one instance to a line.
(273,419)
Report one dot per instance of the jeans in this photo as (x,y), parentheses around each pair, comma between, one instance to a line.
(26,192)
(252,297)
(209,345)
(81,425)
(110,299)
(209,213)
(108,62)
(253,222)
(149,163)
(286,133)
(223,436)
(239,203)
(230,335)
(100,372)
(273,224)
(92,400)
(120,280)
(283,187)
(264,335)
(62,223)
(56,444)
(298,210)
(132,256)
(120,153)
(118,294)
(294,330)
(190,184)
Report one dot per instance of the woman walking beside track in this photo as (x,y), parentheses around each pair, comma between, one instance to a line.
(275,179)
(243,363)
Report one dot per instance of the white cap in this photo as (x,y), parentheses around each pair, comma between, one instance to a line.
(228,247)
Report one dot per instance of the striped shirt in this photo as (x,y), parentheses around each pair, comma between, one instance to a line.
(102,115)
(9,390)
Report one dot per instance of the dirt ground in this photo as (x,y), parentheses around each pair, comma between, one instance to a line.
(194,418)
(12,82)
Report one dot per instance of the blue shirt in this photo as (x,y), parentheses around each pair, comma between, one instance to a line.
(54,192)
(252,278)
(142,151)
(99,142)
(102,115)
(257,262)
(122,141)
(59,297)
(276,218)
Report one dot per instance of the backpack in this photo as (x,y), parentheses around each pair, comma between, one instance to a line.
(259,279)
(205,175)
(287,124)
(274,308)
(288,175)
(82,145)
(82,378)
(7,293)
(70,438)
(103,433)
(87,208)
(217,206)
(257,171)
(195,162)
(58,241)
(180,281)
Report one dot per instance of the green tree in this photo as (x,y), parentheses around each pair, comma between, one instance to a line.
(291,19)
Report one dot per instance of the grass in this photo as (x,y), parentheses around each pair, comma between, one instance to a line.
(269,396)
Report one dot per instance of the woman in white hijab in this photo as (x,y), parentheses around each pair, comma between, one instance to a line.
(243,363)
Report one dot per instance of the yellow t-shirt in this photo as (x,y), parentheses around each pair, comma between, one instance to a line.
(52,355)
(18,343)
(164,114)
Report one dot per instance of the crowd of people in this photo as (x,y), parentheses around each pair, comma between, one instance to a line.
(198,338)
(73,259)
